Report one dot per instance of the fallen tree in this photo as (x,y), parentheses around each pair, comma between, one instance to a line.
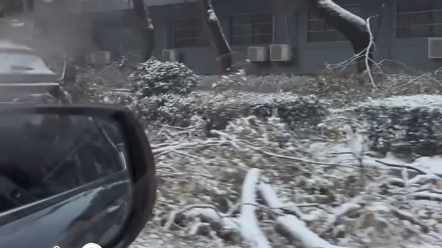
(216,35)
(354,28)
(145,27)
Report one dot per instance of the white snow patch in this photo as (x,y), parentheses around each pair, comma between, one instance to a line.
(343,12)
(341,153)
(212,15)
(20,63)
(422,100)
(433,164)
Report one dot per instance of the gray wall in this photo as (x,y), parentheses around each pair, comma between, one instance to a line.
(308,57)
(290,22)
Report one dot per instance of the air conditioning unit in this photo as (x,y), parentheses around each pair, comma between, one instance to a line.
(280,52)
(100,58)
(169,55)
(257,54)
(435,48)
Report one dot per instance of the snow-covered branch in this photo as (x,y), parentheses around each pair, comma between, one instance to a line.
(249,222)
(294,227)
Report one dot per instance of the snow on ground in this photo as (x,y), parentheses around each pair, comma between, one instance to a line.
(429,101)
(346,153)
(153,236)
(433,164)
(340,153)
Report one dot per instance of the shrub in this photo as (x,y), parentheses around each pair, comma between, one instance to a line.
(219,109)
(413,125)
(92,84)
(155,77)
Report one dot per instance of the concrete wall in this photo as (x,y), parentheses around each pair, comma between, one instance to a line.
(290,27)
(309,57)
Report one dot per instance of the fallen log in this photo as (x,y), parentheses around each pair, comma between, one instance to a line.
(292,227)
(248,220)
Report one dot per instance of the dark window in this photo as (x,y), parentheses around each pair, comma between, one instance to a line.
(318,30)
(421,18)
(189,33)
(251,29)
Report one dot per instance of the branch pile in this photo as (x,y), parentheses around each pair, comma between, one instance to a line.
(267,181)
(256,182)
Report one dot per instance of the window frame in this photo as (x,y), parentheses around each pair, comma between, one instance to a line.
(432,22)
(330,29)
(252,25)
(194,29)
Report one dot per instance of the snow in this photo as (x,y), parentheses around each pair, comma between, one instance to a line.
(350,150)
(212,15)
(16,63)
(414,101)
(433,164)
(328,4)
(292,224)
(249,224)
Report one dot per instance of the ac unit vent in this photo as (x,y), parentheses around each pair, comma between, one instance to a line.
(169,55)
(280,52)
(100,58)
(257,54)
(435,48)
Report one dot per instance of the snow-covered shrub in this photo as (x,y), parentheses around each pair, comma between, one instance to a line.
(219,109)
(404,127)
(155,77)
(342,88)
(175,110)
(252,83)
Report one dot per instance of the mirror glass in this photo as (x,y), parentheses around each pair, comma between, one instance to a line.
(64,180)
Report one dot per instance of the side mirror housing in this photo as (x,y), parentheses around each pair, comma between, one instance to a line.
(106,153)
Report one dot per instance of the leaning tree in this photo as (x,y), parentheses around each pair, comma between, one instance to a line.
(145,27)
(353,27)
(216,34)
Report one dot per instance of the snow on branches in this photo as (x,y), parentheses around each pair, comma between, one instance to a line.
(226,186)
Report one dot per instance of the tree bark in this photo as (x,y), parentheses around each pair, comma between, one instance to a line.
(145,27)
(216,35)
(351,26)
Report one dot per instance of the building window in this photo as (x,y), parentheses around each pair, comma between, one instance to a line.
(318,30)
(251,29)
(421,18)
(189,33)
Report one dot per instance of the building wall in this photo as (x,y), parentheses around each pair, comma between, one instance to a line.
(290,26)
(411,51)
(77,28)
(98,28)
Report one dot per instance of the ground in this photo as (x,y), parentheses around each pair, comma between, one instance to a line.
(280,161)
(331,153)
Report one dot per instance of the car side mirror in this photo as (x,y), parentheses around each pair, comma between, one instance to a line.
(72,175)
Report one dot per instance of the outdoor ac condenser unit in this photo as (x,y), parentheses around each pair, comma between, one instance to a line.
(435,48)
(169,55)
(280,52)
(100,58)
(257,54)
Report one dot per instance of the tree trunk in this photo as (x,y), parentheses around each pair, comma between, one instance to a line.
(351,26)
(216,35)
(145,27)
